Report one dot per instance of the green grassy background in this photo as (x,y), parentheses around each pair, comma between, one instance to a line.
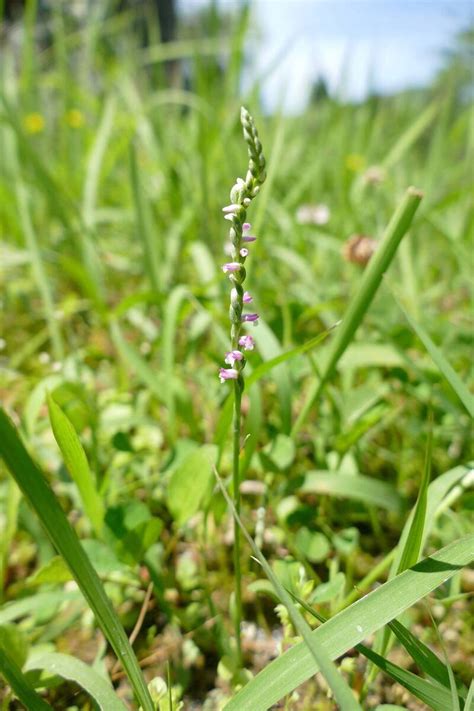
(114,174)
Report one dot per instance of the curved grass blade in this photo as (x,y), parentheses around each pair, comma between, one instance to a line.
(469,705)
(412,547)
(270,348)
(408,138)
(88,678)
(436,697)
(352,625)
(441,493)
(324,664)
(364,295)
(41,498)
(423,656)
(261,370)
(76,464)
(440,361)
(20,685)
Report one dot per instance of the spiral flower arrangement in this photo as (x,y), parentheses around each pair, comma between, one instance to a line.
(241,195)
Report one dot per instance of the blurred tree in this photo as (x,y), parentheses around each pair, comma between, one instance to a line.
(319,91)
(167,16)
(11,10)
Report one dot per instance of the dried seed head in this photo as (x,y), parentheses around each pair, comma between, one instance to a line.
(359,248)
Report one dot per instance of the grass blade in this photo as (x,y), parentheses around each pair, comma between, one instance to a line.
(94,163)
(34,249)
(85,676)
(324,664)
(76,464)
(264,368)
(364,295)
(445,489)
(9,527)
(170,324)
(146,235)
(414,541)
(20,685)
(410,549)
(352,625)
(41,498)
(436,697)
(469,705)
(422,655)
(440,361)
(408,137)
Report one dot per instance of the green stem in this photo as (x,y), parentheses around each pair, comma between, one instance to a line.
(236,485)
(362,299)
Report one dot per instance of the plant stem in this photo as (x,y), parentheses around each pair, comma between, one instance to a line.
(236,486)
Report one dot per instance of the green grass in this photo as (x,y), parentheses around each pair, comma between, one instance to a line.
(115,318)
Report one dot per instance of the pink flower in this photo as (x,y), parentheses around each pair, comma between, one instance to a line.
(247,298)
(250,318)
(232,356)
(247,343)
(244,252)
(246,237)
(228,374)
(231,267)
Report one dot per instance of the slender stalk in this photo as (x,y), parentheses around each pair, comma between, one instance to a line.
(236,485)
(241,195)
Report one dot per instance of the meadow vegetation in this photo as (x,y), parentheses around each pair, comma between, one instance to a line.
(117,504)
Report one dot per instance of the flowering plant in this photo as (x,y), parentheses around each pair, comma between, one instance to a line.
(241,195)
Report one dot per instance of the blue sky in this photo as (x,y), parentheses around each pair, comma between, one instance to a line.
(354,44)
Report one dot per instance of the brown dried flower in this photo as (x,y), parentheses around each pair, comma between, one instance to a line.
(358,249)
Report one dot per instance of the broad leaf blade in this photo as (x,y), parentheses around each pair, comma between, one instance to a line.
(360,488)
(190,482)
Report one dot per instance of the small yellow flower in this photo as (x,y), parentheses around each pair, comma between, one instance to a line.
(355,162)
(33,123)
(75,118)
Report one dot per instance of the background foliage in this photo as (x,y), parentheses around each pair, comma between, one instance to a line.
(118,151)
